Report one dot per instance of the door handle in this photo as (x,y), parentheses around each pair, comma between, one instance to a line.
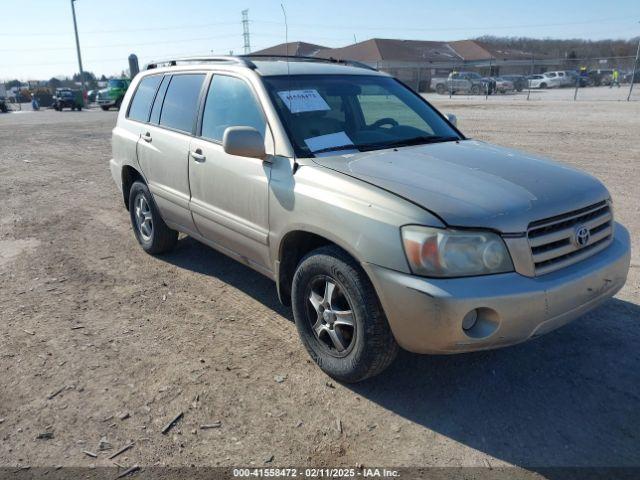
(147,137)
(197,155)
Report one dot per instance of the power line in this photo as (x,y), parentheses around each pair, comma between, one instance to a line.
(443,29)
(121,30)
(130,45)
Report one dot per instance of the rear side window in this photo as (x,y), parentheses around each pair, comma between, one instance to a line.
(141,103)
(181,102)
(230,103)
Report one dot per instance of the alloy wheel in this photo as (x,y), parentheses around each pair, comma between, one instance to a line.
(331,316)
(144,218)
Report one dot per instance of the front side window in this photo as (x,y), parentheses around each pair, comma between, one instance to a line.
(328,113)
(230,103)
(141,103)
(180,104)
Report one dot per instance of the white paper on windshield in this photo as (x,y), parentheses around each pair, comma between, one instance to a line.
(298,101)
(330,140)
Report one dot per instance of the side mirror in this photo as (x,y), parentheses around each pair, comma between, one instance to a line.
(452,119)
(244,142)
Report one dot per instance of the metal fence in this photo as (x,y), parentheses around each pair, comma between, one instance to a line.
(530,79)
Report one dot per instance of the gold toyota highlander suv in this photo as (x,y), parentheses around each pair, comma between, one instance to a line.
(380,222)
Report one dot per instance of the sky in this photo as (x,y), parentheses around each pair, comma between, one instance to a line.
(37,40)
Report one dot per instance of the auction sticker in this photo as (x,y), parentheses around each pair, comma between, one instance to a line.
(298,101)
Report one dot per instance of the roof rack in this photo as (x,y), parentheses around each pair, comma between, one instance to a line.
(245,60)
(186,60)
(302,58)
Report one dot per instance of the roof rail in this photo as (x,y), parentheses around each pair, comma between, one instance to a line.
(302,58)
(186,60)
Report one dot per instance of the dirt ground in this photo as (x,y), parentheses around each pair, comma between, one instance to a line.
(101,342)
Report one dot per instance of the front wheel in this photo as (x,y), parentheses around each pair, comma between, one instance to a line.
(339,317)
(105,108)
(151,232)
(475,90)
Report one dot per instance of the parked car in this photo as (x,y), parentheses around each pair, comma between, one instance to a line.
(601,76)
(561,79)
(459,82)
(545,80)
(67,98)
(503,85)
(626,78)
(114,93)
(379,221)
(534,81)
(519,81)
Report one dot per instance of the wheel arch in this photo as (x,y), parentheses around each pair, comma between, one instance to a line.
(293,246)
(129,176)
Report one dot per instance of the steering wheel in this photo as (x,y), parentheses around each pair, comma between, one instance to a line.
(384,121)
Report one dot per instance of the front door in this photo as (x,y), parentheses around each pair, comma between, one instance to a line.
(229,194)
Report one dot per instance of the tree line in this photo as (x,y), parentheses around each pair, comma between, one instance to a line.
(569,48)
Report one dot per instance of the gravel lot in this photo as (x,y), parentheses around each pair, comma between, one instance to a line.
(98,339)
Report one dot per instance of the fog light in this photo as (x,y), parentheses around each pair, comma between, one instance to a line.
(469,320)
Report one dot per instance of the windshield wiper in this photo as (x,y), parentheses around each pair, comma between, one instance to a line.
(420,140)
(335,149)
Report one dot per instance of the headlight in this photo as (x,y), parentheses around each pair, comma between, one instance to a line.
(436,252)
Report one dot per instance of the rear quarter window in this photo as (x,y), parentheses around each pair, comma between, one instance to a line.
(141,103)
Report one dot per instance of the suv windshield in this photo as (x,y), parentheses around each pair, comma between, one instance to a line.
(329,113)
(116,84)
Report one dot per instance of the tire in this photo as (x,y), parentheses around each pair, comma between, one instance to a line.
(543,85)
(118,103)
(441,89)
(105,108)
(368,344)
(155,237)
(475,90)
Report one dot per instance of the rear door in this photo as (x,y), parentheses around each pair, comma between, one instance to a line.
(163,149)
(229,194)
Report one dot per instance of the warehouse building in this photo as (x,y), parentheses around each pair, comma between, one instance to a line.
(416,62)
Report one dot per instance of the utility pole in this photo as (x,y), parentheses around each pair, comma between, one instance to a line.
(75,27)
(635,67)
(245,32)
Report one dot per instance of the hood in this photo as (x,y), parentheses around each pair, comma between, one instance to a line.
(474,184)
(104,92)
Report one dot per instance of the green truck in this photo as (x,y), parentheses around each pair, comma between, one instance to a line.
(114,93)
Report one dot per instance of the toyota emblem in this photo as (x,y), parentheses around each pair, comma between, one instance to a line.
(582,236)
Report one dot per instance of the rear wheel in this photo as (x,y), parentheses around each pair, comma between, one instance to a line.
(441,89)
(105,108)
(151,232)
(339,318)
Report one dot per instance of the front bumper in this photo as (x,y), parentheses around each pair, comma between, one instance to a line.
(425,314)
(105,102)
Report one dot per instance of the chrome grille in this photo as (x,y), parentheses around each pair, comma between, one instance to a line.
(554,242)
